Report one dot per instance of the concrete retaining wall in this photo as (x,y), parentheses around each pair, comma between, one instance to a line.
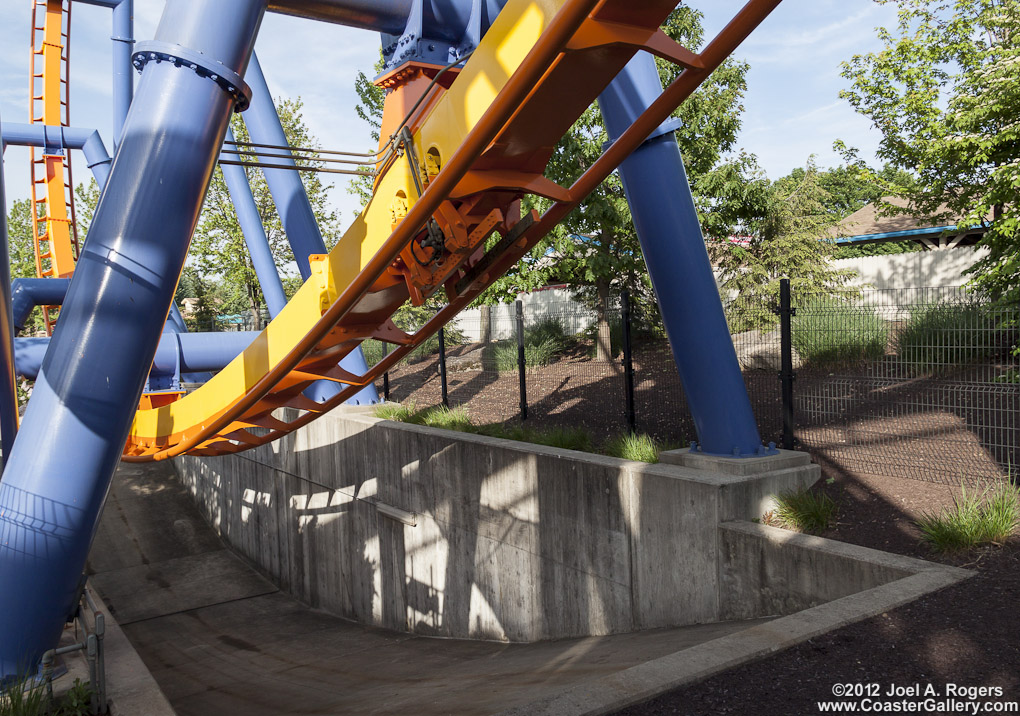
(764,570)
(456,535)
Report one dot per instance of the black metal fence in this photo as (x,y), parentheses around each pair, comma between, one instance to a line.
(920,383)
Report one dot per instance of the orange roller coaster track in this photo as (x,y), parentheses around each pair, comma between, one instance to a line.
(54,226)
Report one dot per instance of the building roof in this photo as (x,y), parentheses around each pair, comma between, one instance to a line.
(867,225)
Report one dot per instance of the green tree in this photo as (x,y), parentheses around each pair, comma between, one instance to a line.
(202,314)
(21,248)
(850,187)
(20,242)
(785,227)
(371,99)
(218,251)
(86,198)
(945,93)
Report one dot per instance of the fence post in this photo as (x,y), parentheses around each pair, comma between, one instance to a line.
(786,374)
(442,368)
(628,362)
(386,375)
(521,363)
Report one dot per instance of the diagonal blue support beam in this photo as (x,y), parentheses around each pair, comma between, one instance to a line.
(77,421)
(254,234)
(296,214)
(667,225)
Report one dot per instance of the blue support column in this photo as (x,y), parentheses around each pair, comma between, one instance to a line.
(296,213)
(254,234)
(667,225)
(74,429)
(123,46)
(123,77)
(8,385)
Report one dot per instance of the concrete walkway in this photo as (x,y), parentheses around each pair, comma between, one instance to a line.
(220,639)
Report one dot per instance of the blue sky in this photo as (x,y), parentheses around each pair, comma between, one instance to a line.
(792,107)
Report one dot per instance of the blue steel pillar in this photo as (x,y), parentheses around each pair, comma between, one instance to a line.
(123,79)
(76,423)
(296,214)
(254,234)
(123,44)
(8,389)
(667,226)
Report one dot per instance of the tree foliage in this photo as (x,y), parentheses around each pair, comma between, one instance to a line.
(784,232)
(19,239)
(944,91)
(371,99)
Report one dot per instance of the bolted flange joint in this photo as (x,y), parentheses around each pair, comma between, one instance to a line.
(202,65)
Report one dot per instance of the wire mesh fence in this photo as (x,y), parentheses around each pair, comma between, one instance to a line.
(919,383)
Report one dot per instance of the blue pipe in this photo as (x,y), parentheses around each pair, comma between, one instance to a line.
(85,397)
(670,234)
(174,321)
(57,139)
(123,77)
(8,384)
(197,352)
(296,214)
(254,234)
(441,19)
(27,293)
(123,44)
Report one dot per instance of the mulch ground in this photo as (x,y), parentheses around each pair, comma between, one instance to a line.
(967,634)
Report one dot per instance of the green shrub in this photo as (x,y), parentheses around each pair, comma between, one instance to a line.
(502,356)
(77,701)
(939,336)
(973,520)
(547,331)
(804,511)
(566,438)
(395,411)
(437,416)
(829,332)
(642,448)
(20,699)
(440,416)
